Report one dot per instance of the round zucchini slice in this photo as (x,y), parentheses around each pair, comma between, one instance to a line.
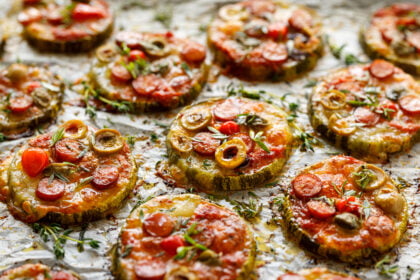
(333,210)
(243,144)
(37,272)
(29,96)
(59,178)
(68,26)
(371,110)
(317,273)
(266,40)
(184,237)
(149,71)
(394,34)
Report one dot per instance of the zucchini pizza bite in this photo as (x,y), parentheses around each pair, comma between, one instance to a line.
(371,110)
(29,96)
(345,208)
(394,34)
(74,174)
(37,272)
(184,237)
(150,71)
(229,144)
(65,26)
(317,273)
(264,39)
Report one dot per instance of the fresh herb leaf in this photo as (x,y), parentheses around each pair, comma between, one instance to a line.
(257,138)
(216,134)
(248,210)
(57,136)
(2,137)
(385,268)
(164,15)
(364,177)
(127,251)
(310,83)
(250,120)
(307,141)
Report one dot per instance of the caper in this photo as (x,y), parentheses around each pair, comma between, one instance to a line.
(347,221)
(107,141)
(106,52)
(196,119)
(75,129)
(41,97)
(390,200)
(180,142)
(180,273)
(333,100)
(17,72)
(231,154)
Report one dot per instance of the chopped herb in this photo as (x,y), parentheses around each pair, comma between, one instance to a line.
(164,15)
(153,138)
(337,50)
(127,251)
(307,141)
(325,199)
(206,164)
(250,120)
(366,208)
(310,83)
(57,136)
(131,140)
(351,59)
(140,66)
(364,177)
(385,268)
(82,153)
(66,13)
(187,69)
(85,181)
(386,113)
(124,49)
(257,138)
(247,210)
(2,137)
(338,53)
(279,201)
(402,183)
(217,134)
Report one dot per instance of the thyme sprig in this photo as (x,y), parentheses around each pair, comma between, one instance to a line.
(364,177)
(248,210)
(258,138)
(338,53)
(183,251)
(385,267)
(57,136)
(217,134)
(89,91)
(59,236)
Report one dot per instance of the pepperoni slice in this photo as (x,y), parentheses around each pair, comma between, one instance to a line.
(20,104)
(62,275)
(366,116)
(413,39)
(34,161)
(68,34)
(320,209)
(409,127)
(300,19)
(274,52)
(68,149)
(277,31)
(291,276)
(380,225)
(131,39)
(381,69)
(55,17)
(85,12)
(29,16)
(171,243)
(31,86)
(146,85)
(159,224)
(226,110)
(150,269)
(250,144)
(205,144)
(307,185)
(50,191)
(105,176)
(120,73)
(193,52)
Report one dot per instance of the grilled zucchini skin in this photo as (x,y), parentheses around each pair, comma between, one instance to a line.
(101,83)
(120,273)
(32,271)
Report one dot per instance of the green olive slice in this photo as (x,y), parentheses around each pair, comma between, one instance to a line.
(341,126)
(369,177)
(76,129)
(106,52)
(180,272)
(196,119)
(333,100)
(17,72)
(41,97)
(107,141)
(180,142)
(231,154)
(157,46)
(233,12)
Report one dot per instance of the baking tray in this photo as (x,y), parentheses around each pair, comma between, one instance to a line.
(342,20)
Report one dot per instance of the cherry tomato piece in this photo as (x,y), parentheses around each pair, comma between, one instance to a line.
(135,55)
(307,185)
(229,128)
(120,73)
(205,144)
(150,269)
(193,52)
(277,31)
(381,69)
(291,276)
(31,86)
(409,127)
(55,17)
(147,85)
(68,149)
(20,104)
(159,224)
(85,12)
(226,110)
(50,191)
(410,104)
(366,116)
(105,176)
(34,161)
(171,243)
(320,209)
(300,20)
